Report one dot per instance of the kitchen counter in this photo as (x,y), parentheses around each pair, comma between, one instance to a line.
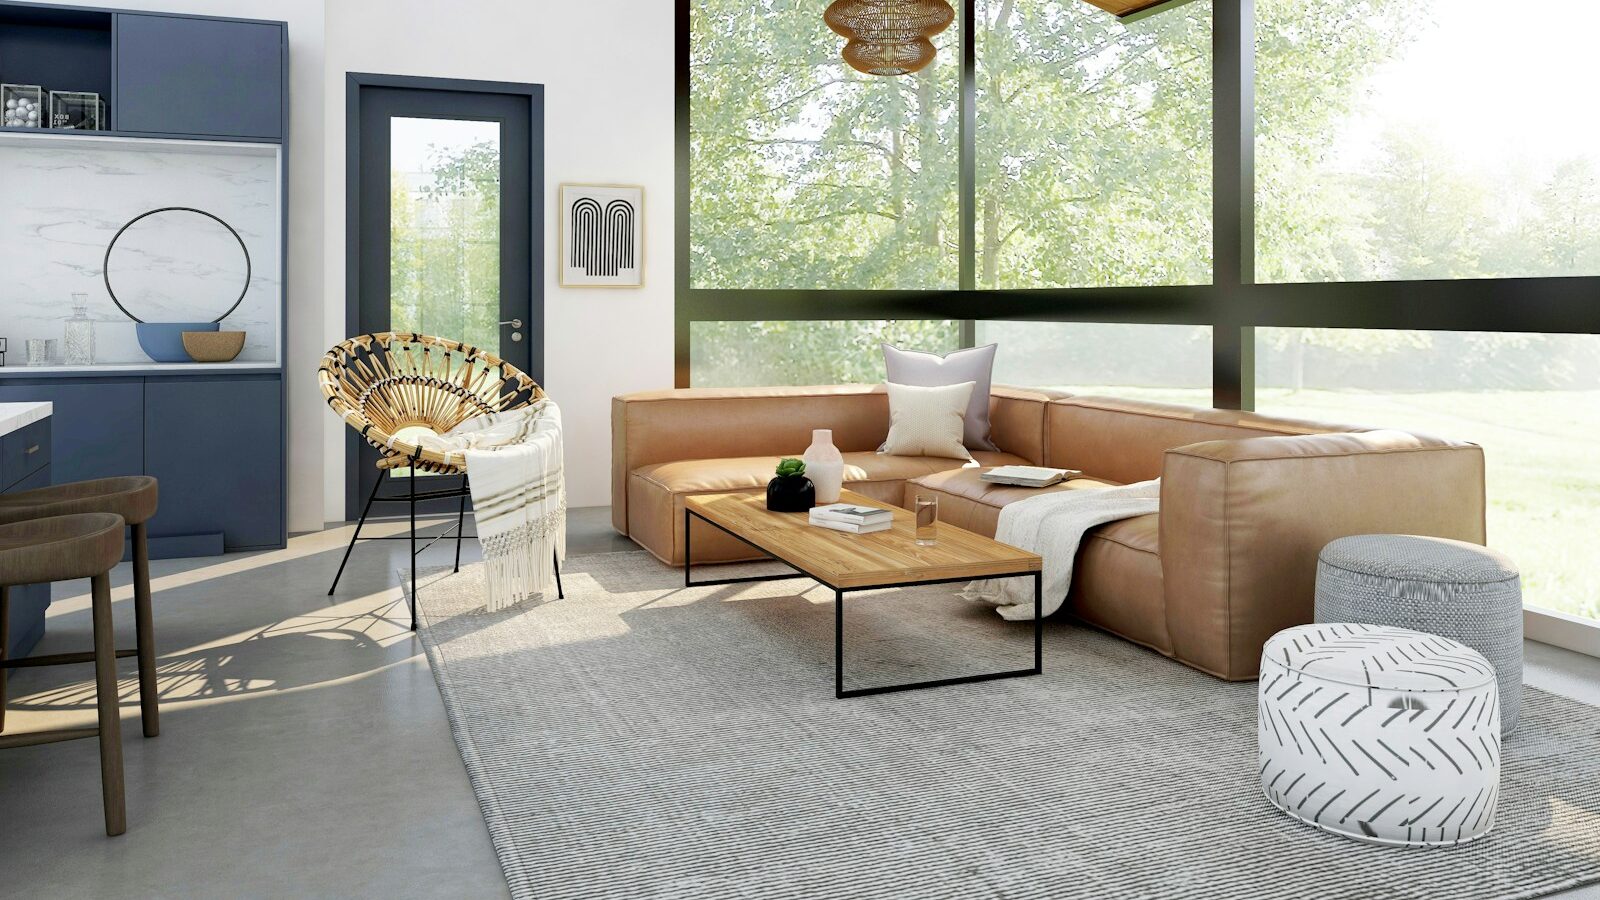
(13,416)
(103,370)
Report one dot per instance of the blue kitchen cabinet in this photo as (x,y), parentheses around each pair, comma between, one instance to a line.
(194,76)
(21,470)
(216,445)
(97,424)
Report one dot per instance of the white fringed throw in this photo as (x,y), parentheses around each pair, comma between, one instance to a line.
(519,496)
(1053,525)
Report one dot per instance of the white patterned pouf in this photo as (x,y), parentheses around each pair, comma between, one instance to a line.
(1381,734)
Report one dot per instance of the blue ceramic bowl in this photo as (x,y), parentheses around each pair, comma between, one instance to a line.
(163,341)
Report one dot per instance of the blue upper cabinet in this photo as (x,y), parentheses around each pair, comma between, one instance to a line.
(203,77)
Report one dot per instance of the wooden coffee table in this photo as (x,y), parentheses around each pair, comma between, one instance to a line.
(859,562)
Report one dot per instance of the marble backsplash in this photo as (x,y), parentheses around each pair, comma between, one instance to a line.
(60,206)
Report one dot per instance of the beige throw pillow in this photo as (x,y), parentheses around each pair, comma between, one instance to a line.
(928,421)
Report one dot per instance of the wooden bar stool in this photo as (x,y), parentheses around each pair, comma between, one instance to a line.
(64,548)
(134,498)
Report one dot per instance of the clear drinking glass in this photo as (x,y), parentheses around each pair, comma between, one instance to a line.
(41,351)
(927,511)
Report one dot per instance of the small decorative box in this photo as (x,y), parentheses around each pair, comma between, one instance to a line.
(75,110)
(22,106)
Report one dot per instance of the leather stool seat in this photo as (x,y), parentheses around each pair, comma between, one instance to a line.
(60,548)
(133,497)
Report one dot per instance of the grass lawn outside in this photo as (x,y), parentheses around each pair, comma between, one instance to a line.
(1543,468)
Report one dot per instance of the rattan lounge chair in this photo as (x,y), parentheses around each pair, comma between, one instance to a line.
(384,384)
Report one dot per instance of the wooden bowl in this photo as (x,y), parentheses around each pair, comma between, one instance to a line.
(213,346)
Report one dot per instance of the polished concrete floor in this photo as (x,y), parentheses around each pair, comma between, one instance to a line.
(304,749)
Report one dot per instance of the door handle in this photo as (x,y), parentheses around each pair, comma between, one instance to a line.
(517,324)
(514,323)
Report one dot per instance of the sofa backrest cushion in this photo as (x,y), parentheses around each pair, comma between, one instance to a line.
(713,423)
(1125,440)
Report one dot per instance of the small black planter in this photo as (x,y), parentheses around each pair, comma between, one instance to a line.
(791,493)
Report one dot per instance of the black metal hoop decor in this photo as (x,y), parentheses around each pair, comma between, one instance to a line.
(105,266)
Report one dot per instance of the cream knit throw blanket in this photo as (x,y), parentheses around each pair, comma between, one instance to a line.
(1053,525)
(519,496)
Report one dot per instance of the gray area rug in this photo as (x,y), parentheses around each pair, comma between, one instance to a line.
(638,739)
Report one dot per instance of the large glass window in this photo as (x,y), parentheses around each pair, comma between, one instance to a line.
(1167,363)
(1093,146)
(1426,139)
(733,354)
(807,174)
(1532,401)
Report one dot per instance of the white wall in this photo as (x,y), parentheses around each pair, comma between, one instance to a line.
(607,68)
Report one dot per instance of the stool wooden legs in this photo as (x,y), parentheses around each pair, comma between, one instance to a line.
(105,690)
(145,631)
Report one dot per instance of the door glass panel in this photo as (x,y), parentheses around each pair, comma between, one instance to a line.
(444,232)
(444,229)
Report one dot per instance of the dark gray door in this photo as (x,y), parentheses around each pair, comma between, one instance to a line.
(445,230)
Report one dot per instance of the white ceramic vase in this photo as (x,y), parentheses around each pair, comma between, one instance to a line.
(824,466)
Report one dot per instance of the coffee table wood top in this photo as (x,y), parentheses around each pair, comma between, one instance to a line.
(842,560)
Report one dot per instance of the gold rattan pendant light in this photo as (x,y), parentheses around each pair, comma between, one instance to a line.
(889,37)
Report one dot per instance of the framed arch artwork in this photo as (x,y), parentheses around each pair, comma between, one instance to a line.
(602,235)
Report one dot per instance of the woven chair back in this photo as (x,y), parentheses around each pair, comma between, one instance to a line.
(382,384)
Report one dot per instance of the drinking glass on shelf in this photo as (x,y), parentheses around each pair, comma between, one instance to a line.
(41,351)
(927,510)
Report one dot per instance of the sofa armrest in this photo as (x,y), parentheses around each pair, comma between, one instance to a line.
(1243,521)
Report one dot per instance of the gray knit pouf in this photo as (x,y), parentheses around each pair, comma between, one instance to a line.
(1453,589)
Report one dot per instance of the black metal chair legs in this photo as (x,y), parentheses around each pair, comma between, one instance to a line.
(411,498)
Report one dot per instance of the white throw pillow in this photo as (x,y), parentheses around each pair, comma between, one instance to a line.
(927,370)
(928,421)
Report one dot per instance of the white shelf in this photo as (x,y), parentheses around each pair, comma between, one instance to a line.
(45,137)
(150,368)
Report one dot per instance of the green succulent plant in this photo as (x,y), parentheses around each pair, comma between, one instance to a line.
(789,467)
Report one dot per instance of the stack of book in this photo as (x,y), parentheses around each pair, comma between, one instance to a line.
(851,518)
(1028,476)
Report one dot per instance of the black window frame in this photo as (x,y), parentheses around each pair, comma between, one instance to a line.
(1233,304)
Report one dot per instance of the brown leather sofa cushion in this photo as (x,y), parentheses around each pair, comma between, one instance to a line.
(1124,440)
(731,423)
(967,501)
(1116,581)
(656,492)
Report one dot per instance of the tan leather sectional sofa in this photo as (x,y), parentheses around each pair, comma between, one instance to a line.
(1247,501)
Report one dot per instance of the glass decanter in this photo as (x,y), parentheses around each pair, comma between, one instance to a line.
(78,344)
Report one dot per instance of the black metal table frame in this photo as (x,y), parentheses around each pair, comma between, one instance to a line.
(838,607)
